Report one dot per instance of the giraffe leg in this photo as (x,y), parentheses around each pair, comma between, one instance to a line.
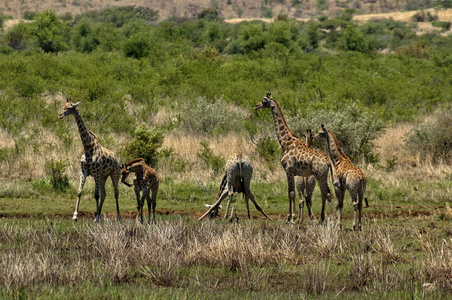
(340,193)
(115,182)
(310,186)
(215,205)
(96,196)
(258,207)
(291,191)
(247,205)
(355,208)
(83,175)
(154,203)
(324,190)
(301,185)
(102,198)
(229,203)
(137,191)
(146,197)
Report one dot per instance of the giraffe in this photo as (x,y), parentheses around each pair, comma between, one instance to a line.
(305,185)
(345,177)
(97,161)
(237,178)
(298,159)
(145,181)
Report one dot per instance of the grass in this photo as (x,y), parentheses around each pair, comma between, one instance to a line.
(403,252)
(182,258)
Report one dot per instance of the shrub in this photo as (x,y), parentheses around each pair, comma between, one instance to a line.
(138,46)
(121,15)
(209,14)
(423,16)
(145,145)
(444,25)
(206,117)
(83,37)
(212,161)
(433,139)
(269,149)
(353,40)
(58,180)
(17,36)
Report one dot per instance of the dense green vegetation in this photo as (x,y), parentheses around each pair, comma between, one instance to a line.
(323,67)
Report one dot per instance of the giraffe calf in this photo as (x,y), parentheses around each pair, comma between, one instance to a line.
(145,182)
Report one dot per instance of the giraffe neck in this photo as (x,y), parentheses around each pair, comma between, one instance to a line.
(87,137)
(336,154)
(283,133)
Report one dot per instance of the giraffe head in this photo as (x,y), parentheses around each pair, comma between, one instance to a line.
(124,174)
(322,133)
(267,102)
(68,109)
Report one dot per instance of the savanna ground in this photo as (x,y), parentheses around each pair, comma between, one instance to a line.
(404,250)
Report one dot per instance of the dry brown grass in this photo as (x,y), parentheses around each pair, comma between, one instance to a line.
(211,256)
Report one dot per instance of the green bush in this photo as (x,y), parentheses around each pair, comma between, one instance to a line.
(269,149)
(58,180)
(145,144)
(17,37)
(353,40)
(212,161)
(138,46)
(121,15)
(444,25)
(433,139)
(423,16)
(49,32)
(210,117)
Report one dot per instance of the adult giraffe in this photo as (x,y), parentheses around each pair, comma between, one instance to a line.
(97,161)
(298,159)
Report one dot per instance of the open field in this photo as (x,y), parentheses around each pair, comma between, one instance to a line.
(404,250)
(384,89)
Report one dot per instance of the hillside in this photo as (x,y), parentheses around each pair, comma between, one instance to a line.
(229,9)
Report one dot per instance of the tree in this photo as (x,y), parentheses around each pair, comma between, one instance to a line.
(353,40)
(49,32)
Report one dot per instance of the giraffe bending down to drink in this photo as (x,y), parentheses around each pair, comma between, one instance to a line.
(345,177)
(298,159)
(237,178)
(145,181)
(305,185)
(97,161)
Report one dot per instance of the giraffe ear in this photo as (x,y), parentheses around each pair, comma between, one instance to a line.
(76,104)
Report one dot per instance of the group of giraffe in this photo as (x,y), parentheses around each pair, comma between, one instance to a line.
(298,159)
(101,163)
